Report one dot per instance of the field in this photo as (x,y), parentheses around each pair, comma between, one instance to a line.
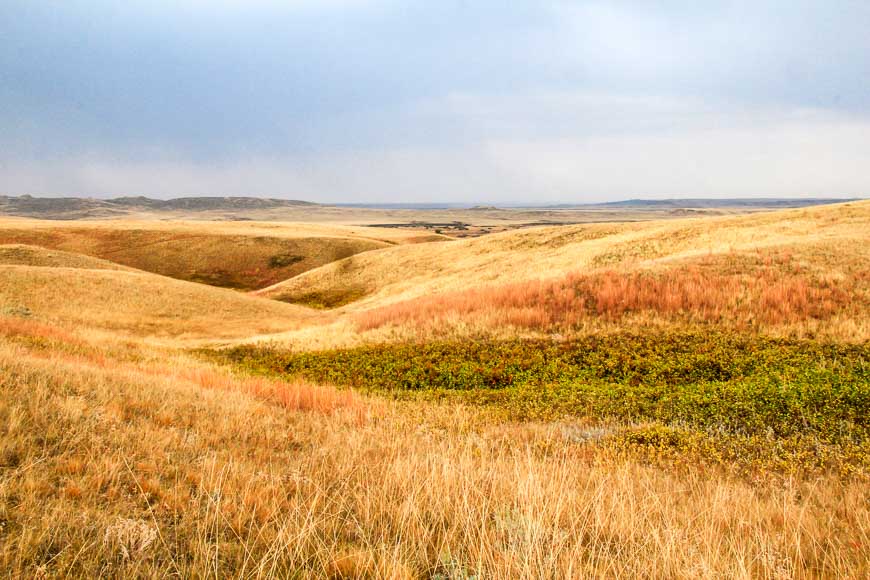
(666,398)
(240,255)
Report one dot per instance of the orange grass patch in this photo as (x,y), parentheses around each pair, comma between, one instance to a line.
(21,327)
(776,291)
(297,395)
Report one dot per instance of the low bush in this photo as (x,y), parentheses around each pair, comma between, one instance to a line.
(727,382)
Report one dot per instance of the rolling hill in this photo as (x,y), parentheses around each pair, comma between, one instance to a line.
(394,274)
(494,407)
(137,304)
(239,255)
(24,255)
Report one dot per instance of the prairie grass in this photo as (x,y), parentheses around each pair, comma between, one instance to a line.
(139,304)
(758,291)
(405,272)
(660,432)
(746,402)
(156,464)
(25,255)
(244,256)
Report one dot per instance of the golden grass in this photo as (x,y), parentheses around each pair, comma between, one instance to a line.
(238,255)
(400,273)
(124,461)
(139,304)
(24,255)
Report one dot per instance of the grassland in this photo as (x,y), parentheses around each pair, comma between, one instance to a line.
(122,460)
(24,255)
(240,255)
(744,401)
(401,273)
(138,304)
(663,399)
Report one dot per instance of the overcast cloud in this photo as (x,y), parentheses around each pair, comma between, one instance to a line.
(484,101)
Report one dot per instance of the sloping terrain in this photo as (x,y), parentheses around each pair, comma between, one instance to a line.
(138,303)
(24,255)
(399,273)
(243,256)
(814,289)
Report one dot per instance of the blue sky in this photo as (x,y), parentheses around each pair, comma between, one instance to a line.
(417,101)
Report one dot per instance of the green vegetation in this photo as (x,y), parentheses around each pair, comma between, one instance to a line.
(763,392)
(284,260)
(325,299)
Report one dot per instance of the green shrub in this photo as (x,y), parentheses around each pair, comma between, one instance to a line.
(732,383)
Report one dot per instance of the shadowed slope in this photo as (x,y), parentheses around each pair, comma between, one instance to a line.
(233,255)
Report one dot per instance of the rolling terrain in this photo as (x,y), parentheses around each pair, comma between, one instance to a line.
(670,398)
(455,220)
(240,255)
(24,255)
(725,268)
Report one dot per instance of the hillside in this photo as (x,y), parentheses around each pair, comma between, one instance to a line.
(580,401)
(399,273)
(240,255)
(24,255)
(138,304)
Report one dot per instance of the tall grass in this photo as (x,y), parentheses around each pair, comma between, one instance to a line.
(123,472)
(778,292)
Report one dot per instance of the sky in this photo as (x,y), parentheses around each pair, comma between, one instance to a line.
(487,101)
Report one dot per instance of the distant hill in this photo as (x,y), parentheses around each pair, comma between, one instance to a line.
(80,207)
(707,203)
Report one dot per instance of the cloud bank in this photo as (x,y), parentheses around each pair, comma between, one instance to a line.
(382,100)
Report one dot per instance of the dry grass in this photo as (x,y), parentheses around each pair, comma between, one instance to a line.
(400,273)
(122,456)
(139,304)
(243,255)
(24,255)
(117,461)
(753,291)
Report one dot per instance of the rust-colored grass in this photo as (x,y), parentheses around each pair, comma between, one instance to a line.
(768,290)
(401,273)
(295,395)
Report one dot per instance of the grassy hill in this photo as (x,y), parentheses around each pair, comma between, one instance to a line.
(398,273)
(138,303)
(24,255)
(243,256)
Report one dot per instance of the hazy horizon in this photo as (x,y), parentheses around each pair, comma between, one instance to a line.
(378,101)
